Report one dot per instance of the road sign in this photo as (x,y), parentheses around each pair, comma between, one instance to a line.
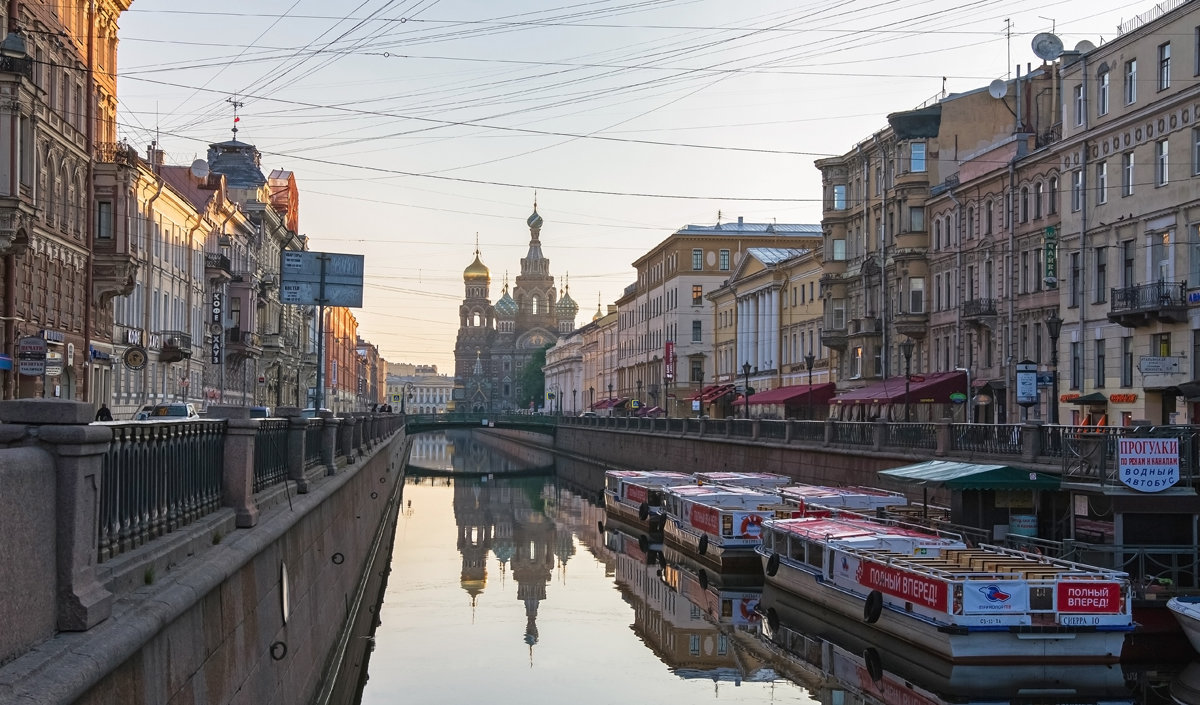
(31,356)
(1151,365)
(304,274)
(1026,383)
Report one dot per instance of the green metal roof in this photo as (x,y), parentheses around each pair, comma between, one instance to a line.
(971,476)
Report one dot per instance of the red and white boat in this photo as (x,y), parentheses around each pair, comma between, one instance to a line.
(755,480)
(968,605)
(720,525)
(859,498)
(635,496)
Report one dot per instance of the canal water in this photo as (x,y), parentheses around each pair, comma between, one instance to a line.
(509,585)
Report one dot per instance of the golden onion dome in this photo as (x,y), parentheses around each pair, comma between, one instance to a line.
(477,271)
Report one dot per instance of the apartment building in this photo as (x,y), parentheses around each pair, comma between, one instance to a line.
(665,311)
(1129,246)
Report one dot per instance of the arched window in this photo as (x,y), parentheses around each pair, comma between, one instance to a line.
(1052,196)
(535,304)
(971,222)
(987,217)
(476,319)
(1024,204)
(1038,188)
(937,234)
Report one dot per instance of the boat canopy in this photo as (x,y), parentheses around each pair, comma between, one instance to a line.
(972,476)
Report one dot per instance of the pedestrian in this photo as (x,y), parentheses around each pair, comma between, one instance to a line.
(103,414)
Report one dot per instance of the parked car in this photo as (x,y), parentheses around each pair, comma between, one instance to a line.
(174,411)
(143,413)
(589,414)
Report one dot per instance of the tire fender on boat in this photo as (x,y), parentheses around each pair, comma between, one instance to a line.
(873,663)
(873,607)
(644,543)
(772,618)
(703,579)
(600,526)
(773,564)
(643,511)
(703,547)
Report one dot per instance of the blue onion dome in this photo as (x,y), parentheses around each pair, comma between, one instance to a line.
(476,271)
(566,306)
(534,221)
(506,307)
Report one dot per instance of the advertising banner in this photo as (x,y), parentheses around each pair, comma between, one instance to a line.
(913,587)
(1089,597)
(669,361)
(1148,464)
(991,596)
(635,493)
(704,518)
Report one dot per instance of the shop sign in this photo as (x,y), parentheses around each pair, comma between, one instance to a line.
(669,361)
(1127,398)
(217,328)
(1069,397)
(31,356)
(1148,464)
(1050,250)
(992,596)
(1026,383)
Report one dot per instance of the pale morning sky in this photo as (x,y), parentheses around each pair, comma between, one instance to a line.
(412,126)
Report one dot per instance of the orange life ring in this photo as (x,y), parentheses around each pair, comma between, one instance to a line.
(751,527)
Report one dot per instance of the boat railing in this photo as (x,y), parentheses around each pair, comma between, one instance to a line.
(1058,562)
(886,520)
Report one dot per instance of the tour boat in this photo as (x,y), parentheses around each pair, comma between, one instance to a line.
(755,480)
(635,496)
(859,498)
(969,605)
(718,524)
(1187,613)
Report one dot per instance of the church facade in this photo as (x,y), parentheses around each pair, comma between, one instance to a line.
(496,342)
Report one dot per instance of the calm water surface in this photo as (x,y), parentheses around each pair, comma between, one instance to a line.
(505,590)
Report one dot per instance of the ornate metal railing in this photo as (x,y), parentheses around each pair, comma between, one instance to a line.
(996,439)
(270,453)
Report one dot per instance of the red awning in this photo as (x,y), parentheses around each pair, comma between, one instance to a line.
(708,394)
(796,394)
(607,403)
(934,388)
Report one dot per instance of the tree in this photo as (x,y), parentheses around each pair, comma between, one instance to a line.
(533,380)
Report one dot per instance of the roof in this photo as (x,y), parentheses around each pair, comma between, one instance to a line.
(742,228)
(775,255)
(795,394)
(181,180)
(956,475)
(933,388)
(715,391)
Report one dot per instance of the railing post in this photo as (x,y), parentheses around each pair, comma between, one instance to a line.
(944,428)
(237,482)
(359,437)
(329,441)
(77,449)
(830,432)
(297,428)
(1031,440)
(879,434)
(755,428)
(789,430)
(346,438)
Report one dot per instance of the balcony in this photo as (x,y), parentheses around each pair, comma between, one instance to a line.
(217,267)
(272,342)
(176,346)
(913,324)
(865,326)
(243,343)
(1147,304)
(834,334)
(119,153)
(979,309)
(17,65)
(14,216)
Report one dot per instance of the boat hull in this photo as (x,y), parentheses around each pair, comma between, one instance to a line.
(1187,613)
(717,556)
(957,645)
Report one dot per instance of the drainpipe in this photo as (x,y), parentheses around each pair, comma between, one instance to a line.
(1083,191)
(146,303)
(90,230)
(958,304)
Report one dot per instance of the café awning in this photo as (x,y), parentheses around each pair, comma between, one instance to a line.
(795,395)
(956,475)
(931,388)
(609,403)
(709,394)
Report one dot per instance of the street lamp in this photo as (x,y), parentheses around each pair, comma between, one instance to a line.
(610,396)
(906,349)
(809,359)
(746,392)
(639,395)
(592,394)
(1053,328)
(574,408)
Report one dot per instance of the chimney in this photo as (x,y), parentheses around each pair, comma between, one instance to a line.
(739,221)
(154,155)
(612,308)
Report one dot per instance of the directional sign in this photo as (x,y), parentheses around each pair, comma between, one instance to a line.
(31,356)
(1151,365)
(303,275)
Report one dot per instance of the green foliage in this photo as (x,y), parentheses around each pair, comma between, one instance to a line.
(533,380)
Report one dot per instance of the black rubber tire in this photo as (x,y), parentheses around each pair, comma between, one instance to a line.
(873,663)
(702,548)
(772,619)
(600,526)
(773,564)
(703,579)
(873,607)
(644,543)
(643,511)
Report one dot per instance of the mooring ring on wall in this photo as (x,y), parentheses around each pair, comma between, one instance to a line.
(383,480)
(338,558)
(278,650)
(374,495)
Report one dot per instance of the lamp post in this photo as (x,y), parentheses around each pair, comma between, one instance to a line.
(610,397)
(809,360)
(639,395)
(592,394)
(574,407)
(906,349)
(1053,328)
(746,391)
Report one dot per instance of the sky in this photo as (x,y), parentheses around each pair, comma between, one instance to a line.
(417,127)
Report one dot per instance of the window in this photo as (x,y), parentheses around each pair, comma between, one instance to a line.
(1102,182)
(1038,189)
(697,294)
(839,197)
(1164,66)
(856,360)
(697,371)
(1127,261)
(937,292)
(916,295)
(1076,364)
(724,259)
(971,223)
(1195,352)
(1196,51)
(104,220)
(1101,274)
(1100,364)
(1195,151)
(937,234)
(916,160)
(839,250)
(839,314)
(1160,163)
(1193,247)
(1130,81)
(697,331)
(1127,174)
(1075,280)
(1080,105)
(1076,190)
(1160,345)
(1025,283)
(1024,214)
(1102,93)
(1052,197)
(697,259)
(916,219)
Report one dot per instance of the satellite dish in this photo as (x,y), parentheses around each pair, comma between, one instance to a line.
(200,169)
(1084,47)
(998,88)
(1047,46)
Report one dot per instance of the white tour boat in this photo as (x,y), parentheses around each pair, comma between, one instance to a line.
(720,525)
(858,498)
(755,480)
(1187,613)
(969,605)
(635,496)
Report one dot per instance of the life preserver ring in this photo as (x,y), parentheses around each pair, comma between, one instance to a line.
(703,579)
(751,527)
(643,511)
(873,663)
(644,543)
(702,548)
(773,564)
(873,607)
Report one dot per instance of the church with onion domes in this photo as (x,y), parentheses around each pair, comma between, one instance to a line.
(496,341)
